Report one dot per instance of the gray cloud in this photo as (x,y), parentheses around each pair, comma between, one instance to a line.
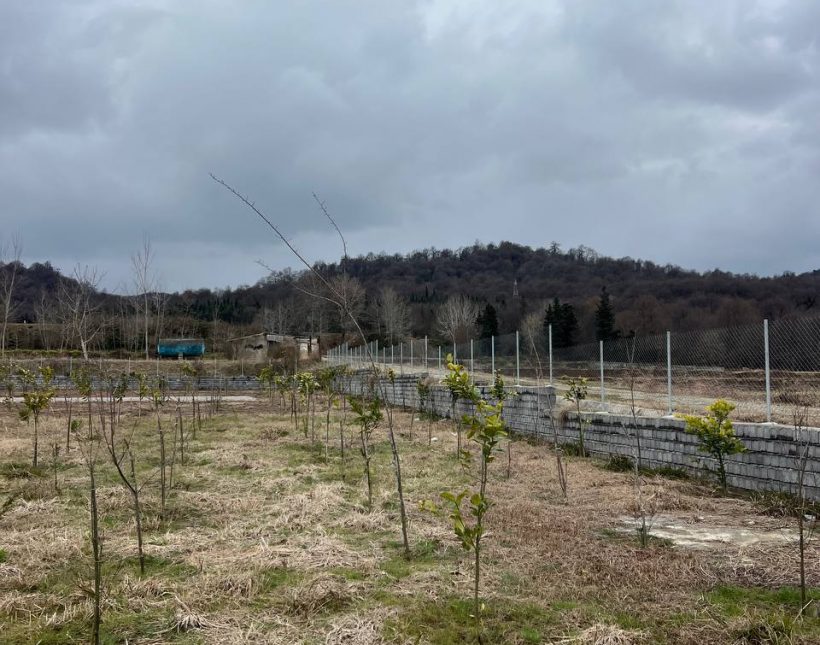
(682,132)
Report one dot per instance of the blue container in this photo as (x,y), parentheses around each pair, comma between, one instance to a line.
(185,347)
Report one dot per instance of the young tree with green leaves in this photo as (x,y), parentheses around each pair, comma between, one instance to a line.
(367,415)
(36,400)
(500,394)
(485,429)
(457,381)
(716,435)
(577,390)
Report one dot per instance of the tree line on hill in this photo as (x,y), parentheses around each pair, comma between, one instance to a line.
(476,291)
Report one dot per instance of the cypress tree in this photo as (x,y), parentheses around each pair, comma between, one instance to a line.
(605,318)
(487,322)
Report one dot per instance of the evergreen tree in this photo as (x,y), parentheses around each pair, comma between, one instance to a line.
(564,323)
(569,325)
(605,318)
(487,322)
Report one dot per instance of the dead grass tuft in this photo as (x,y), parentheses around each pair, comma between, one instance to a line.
(321,593)
(603,634)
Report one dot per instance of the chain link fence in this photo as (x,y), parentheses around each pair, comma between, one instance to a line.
(770,371)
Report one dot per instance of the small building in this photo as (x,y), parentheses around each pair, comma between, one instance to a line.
(259,348)
(180,347)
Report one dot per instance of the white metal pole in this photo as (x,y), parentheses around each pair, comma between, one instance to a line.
(471,357)
(601,349)
(426,358)
(549,338)
(392,354)
(492,354)
(411,353)
(401,358)
(669,370)
(517,362)
(768,375)
(439,357)
(455,356)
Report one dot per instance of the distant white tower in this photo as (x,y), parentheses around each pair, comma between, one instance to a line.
(515,288)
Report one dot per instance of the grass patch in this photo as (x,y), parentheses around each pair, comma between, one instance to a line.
(20,470)
(668,472)
(451,621)
(737,601)
(619,464)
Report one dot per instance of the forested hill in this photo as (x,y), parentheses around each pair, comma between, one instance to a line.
(514,279)
(646,297)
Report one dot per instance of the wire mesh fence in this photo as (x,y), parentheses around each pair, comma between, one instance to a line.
(770,371)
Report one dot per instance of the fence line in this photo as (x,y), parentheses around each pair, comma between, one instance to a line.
(768,370)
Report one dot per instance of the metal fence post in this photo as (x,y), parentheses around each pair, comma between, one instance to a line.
(768,375)
(601,350)
(517,361)
(492,354)
(392,354)
(455,356)
(426,357)
(439,357)
(669,371)
(549,338)
(411,353)
(471,357)
(401,358)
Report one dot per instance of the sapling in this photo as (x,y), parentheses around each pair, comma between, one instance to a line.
(485,428)
(500,395)
(88,449)
(327,383)
(716,435)
(530,335)
(457,381)
(158,399)
(119,449)
(806,520)
(423,390)
(339,293)
(307,388)
(36,400)
(267,378)
(367,415)
(577,390)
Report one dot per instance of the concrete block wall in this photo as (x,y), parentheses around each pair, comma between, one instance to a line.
(770,463)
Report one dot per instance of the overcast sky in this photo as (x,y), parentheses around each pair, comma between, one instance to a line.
(682,132)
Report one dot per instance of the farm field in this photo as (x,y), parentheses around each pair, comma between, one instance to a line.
(267,538)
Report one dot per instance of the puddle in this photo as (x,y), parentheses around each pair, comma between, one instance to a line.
(703,532)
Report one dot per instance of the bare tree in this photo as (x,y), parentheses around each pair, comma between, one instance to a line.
(10,254)
(339,295)
(80,311)
(456,318)
(279,318)
(44,314)
(393,315)
(145,283)
(351,292)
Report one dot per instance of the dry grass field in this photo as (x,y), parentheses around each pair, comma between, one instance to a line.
(268,540)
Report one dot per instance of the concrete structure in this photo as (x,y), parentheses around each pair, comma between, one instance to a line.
(768,465)
(258,348)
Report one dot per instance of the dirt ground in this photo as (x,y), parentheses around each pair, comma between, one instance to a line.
(268,539)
